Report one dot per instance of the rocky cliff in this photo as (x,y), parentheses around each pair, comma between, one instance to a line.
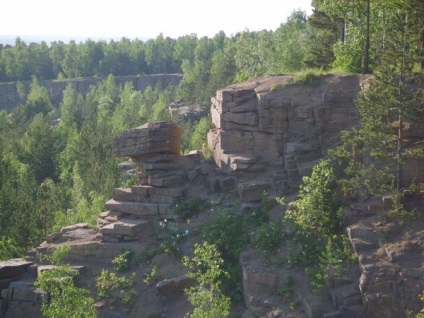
(9,96)
(276,129)
(267,133)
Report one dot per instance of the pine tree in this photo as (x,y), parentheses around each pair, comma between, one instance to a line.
(375,154)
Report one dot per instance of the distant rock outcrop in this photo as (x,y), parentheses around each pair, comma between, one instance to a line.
(9,96)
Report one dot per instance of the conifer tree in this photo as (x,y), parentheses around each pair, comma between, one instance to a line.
(377,151)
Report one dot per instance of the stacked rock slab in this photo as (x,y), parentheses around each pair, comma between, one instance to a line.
(155,147)
(266,127)
(17,292)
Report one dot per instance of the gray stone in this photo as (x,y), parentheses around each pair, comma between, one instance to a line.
(252,192)
(134,208)
(125,226)
(151,138)
(13,268)
(74,227)
(174,285)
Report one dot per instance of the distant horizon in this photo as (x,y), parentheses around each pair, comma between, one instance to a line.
(95,19)
(27,38)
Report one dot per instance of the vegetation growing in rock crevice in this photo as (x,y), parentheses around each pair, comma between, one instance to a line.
(206,267)
(316,239)
(54,175)
(118,288)
(62,298)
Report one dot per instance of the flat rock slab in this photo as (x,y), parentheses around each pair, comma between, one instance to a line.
(134,208)
(44,268)
(13,268)
(149,139)
(130,227)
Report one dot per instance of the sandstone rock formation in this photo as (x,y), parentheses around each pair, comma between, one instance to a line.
(278,129)
(267,134)
(390,257)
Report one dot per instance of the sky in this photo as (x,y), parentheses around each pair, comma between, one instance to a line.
(142,19)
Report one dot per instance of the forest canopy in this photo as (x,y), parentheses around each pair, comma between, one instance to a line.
(55,175)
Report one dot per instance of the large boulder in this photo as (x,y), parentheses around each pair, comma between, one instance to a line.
(149,139)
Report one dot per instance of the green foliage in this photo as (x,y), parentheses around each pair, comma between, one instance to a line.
(190,207)
(291,41)
(398,212)
(37,102)
(8,249)
(116,288)
(198,137)
(123,261)
(62,298)
(85,211)
(71,110)
(152,277)
(170,242)
(288,292)
(40,148)
(421,313)
(248,226)
(221,228)
(313,228)
(373,155)
(206,268)
(308,76)
(18,190)
(325,32)
(317,209)
(268,237)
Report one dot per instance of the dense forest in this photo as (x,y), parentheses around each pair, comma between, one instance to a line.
(52,175)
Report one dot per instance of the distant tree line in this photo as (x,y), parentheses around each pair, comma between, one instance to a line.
(347,35)
(207,63)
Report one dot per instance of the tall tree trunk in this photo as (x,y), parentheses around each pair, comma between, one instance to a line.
(399,177)
(343,35)
(422,49)
(367,39)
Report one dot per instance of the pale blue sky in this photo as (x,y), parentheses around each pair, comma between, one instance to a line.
(142,19)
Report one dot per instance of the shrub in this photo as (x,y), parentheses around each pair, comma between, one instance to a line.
(231,232)
(308,76)
(116,288)
(316,240)
(171,241)
(206,268)
(62,299)
(8,248)
(152,277)
(268,237)
(190,207)
(123,261)
(398,212)
(317,209)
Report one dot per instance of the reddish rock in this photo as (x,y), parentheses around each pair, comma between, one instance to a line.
(13,268)
(151,138)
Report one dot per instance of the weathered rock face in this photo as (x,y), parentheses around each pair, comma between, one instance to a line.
(149,139)
(266,136)
(132,212)
(135,219)
(390,259)
(9,94)
(278,130)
